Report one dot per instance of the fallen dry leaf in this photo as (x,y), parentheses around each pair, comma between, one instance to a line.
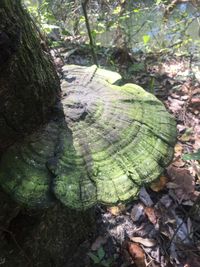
(193,259)
(181,232)
(184,97)
(196,145)
(194,169)
(116,210)
(181,128)
(150,212)
(181,181)
(178,149)
(166,200)
(137,254)
(195,195)
(179,163)
(175,105)
(137,212)
(171,185)
(195,100)
(145,197)
(147,242)
(159,184)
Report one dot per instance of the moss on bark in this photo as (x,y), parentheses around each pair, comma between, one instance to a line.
(29,89)
(29,85)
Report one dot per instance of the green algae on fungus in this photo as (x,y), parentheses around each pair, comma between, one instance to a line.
(106,142)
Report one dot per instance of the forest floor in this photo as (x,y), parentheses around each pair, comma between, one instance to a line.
(162,227)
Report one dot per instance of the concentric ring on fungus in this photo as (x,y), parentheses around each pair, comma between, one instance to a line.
(105,143)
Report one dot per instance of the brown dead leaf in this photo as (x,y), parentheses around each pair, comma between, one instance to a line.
(192,258)
(184,97)
(175,101)
(175,105)
(181,181)
(116,210)
(195,100)
(171,185)
(178,149)
(196,91)
(173,95)
(150,212)
(147,242)
(179,163)
(181,128)
(159,184)
(137,212)
(145,197)
(194,169)
(137,254)
(196,145)
(195,195)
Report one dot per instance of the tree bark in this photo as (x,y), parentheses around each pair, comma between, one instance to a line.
(41,238)
(29,89)
(29,85)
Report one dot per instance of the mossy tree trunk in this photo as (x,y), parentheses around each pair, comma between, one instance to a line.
(52,237)
(29,85)
(29,89)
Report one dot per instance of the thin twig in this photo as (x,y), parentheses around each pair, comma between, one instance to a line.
(188,214)
(84,7)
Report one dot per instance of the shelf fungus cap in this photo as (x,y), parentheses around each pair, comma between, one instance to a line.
(105,144)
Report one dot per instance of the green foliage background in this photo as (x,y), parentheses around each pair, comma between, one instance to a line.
(137,25)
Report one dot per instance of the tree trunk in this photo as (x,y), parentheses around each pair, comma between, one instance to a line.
(41,238)
(29,89)
(29,85)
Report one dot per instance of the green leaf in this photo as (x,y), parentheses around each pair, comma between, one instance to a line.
(94,258)
(117,10)
(137,67)
(94,33)
(192,156)
(152,85)
(105,263)
(49,26)
(82,19)
(101,253)
(102,25)
(146,38)
(65,32)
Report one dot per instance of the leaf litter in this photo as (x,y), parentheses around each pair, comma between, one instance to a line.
(161,228)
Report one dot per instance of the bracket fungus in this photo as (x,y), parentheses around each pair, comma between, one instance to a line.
(104,143)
